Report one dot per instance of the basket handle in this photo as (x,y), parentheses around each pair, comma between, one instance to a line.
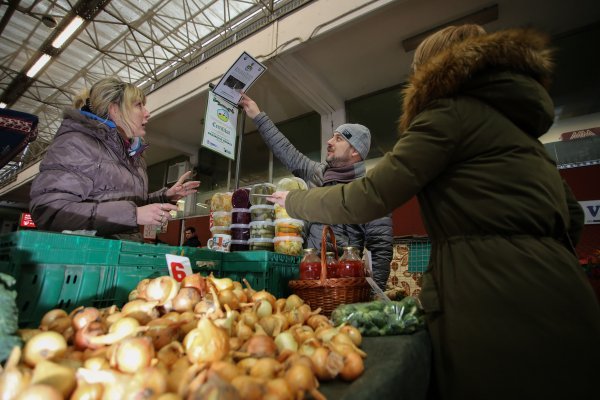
(326,231)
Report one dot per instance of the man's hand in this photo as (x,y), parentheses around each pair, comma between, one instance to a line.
(249,106)
(278,198)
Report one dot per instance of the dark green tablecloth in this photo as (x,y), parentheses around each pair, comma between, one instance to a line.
(396,367)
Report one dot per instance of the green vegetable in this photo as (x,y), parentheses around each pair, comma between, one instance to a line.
(379,318)
(9,316)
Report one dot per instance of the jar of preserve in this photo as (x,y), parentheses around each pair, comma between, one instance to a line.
(350,265)
(332,265)
(310,265)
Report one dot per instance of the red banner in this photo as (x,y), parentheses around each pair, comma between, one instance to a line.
(579,134)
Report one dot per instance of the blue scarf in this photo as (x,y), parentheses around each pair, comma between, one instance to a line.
(136,145)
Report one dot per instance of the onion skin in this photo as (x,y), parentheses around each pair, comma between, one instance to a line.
(206,343)
(260,346)
(82,317)
(51,316)
(186,299)
(132,354)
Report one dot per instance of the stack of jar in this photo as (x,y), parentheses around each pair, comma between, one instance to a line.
(240,220)
(220,214)
(349,264)
(262,227)
(288,236)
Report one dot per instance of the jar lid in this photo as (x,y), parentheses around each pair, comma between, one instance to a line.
(262,206)
(260,240)
(219,228)
(261,223)
(240,210)
(290,221)
(288,239)
(220,213)
(239,226)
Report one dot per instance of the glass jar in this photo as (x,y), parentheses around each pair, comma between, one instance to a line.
(350,265)
(332,265)
(310,265)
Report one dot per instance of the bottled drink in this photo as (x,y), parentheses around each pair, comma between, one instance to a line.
(332,265)
(350,265)
(310,265)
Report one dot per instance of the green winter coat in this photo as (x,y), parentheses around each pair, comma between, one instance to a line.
(511,314)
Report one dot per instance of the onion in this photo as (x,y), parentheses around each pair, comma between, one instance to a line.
(226,370)
(327,364)
(83,316)
(39,392)
(162,335)
(260,346)
(206,343)
(88,391)
(13,380)
(292,302)
(285,341)
(82,336)
(44,346)
(148,382)
(162,289)
(132,354)
(249,317)
(176,377)
(278,389)
(197,282)
(235,343)
(96,363)
(52,374)
(343,339)
(248,387)
(221,284)
(264,295)
(243,331)
(186,299)
(170,353)
(228,297)
(51,316)
(121,329)
(266,368)
(143,311)
(316,321)
(353,367)
(353,333)
(271,325)
(302,333)
(246,364)
(59,325)
(263,308)
(300,378)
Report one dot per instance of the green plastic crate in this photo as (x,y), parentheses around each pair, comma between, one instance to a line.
(263,270)
(42,287)
(203,260)
(35,247)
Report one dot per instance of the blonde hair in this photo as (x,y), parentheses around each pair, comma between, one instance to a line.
(442,39)
(109,91)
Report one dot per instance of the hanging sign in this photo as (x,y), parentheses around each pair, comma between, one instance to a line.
(220,126)
(179,267)
(591,210)
(242,74)
(580,134)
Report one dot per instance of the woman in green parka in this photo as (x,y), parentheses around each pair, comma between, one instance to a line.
(510,312)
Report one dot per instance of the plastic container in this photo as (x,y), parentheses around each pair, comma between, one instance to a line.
(280,212)
(262,212)
(239,245)
(262,229)
(241,198)
(221,202)
(226,230)
(220,218)
(289,227)
(261,244)
(291,245)
(240,216)
(240,231)
(261,188)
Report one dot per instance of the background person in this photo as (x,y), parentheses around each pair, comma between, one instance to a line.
(93,176)
(191,239)
(346,152)
(510,311)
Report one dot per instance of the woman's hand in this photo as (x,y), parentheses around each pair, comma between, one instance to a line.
(181,188)
(249,106)
(155,214)
(278,198)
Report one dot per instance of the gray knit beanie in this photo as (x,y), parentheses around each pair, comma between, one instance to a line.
(358,136)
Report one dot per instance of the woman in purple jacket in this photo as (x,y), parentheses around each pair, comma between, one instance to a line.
(93,176)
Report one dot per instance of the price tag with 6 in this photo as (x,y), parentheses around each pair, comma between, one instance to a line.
(179,267)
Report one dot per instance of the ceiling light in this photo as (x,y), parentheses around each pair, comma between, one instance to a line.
(67,32)
(3,104)
(480,17)
(39,64)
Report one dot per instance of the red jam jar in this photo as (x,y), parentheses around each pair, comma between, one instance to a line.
(332,265)
(310,265)
(350,265)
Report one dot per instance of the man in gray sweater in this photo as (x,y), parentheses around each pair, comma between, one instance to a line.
(346,152)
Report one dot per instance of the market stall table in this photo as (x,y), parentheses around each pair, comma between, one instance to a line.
(396,367)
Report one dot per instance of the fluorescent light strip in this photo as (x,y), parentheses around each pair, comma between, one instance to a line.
(245,19)
(39,64)
(67,32)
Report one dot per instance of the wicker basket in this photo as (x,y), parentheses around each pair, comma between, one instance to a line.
(330,293)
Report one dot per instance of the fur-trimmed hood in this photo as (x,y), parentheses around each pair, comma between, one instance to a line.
(463,69)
